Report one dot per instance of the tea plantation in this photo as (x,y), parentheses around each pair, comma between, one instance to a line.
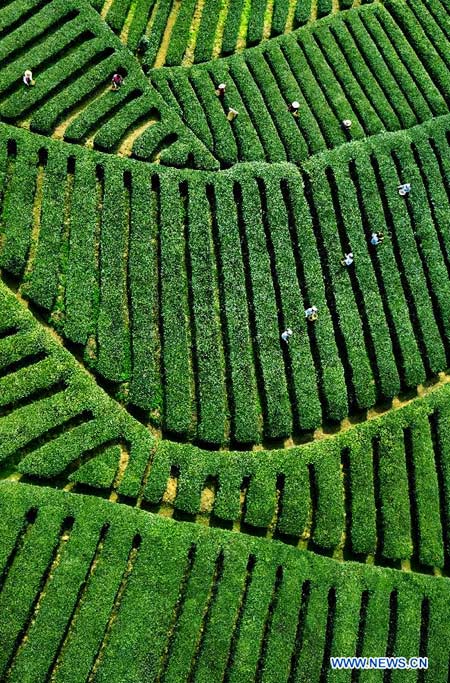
(224,340)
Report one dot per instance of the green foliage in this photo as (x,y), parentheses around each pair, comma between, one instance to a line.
(243,392)
(113,333)
(100,471)
(174,311)
(278,417)
(389,467)
(394,467)
(207,30)
(42,284)
(174,285)
(345,66)
(145,386)
(180,35)
(73,67)
(295,148)
(206,330)
(302,12)
(224,145)
(256,22)
(52,412)
(139,24)
(423,31)
(178,39)
(383,324)
(232,24)
(17,217)
(160,17)
(117,14)
(279,17)
(324,7)
(81,266)
(186,599)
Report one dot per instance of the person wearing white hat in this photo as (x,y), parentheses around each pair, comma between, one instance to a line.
(347,124)
(294,107)
(377,238)
(221,88)
(28,78)
(286,334)
(232,113)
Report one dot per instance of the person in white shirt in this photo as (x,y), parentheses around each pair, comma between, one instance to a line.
(28,78)
(377,238)
(311,313)
(347,124)
(286,334)
(347,260)
(404,189)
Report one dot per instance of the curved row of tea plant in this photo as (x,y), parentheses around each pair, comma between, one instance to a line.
(179,284)
(380,488)
(91,591)
(168,33)
(54,419)
(73,56)
(380,66)
(383,67)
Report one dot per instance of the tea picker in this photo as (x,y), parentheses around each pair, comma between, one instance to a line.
(347,260)
(377,238)
(311,313)
(404,189)
(221,88)
(116,81)
(286,334)
(28,78)
(143,44)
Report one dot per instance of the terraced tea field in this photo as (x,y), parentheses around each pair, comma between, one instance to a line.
(187,494)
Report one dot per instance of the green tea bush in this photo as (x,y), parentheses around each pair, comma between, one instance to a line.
(175,592)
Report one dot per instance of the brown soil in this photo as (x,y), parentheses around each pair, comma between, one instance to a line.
(207,500)
(60,130)
(91,348)
(190,49)
(106,8)
(123,464)
(165,42)
(268,20)
(127,143)
(171,491)
(128,22)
